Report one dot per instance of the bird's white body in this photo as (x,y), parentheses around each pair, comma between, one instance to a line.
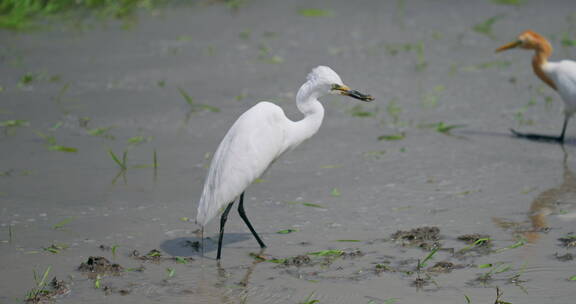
(563,74)
(259,136)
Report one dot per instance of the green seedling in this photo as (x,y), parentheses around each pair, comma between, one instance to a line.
(55,248)
(446,128)
(500,64)
(519,243)
(286,231)
(468,301)
(567,41)
(331,252)
(572,278)
(102,132)
(485,27)
(136,140)
(63,223)
(121,163)
(335,192)
(422,263)
(309,300)
(312,12)
(358,111)
(39,289)
(509,2)
(97,281)
(180,260)
(196,106)
(170,272)
(390,137)
(113,249)
(476,243)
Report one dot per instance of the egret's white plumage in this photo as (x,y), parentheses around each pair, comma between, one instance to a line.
(560,76)
(563,74)
(257,139)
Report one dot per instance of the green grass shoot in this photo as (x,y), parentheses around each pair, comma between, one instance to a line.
(331,252)
(180,260)
(422,263)
(519,243)
(313,205)
(55,248)
(485,27)
(170,272)
(468,301)
(572,278)
(335,192)
(62,148)
(446,128)
(500,64)
(40,285)
(286,231)
(567,41)
(155,158)
(120,163)
(509,2)
(390,137)
(97,281)
(14,123)
(309,300)
(103,132)
(358,111)
(314,12)
(136,140)
(196,106)
(63,223)
(476,243)
(114,249)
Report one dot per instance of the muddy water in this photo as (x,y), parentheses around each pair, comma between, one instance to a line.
(422,61)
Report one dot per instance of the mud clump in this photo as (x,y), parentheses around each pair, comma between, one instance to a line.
(565,257)
(479,240)
(443,267)
(100,265)
(156,256)
(380,268)
(426,238)
(568,241)
(299,260)
(352,254)
(55,289)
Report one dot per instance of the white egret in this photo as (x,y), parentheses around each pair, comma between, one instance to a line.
(257,138)
(560,76)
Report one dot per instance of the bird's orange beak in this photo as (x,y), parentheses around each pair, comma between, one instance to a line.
(508,46)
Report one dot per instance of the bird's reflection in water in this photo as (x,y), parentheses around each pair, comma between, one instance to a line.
(553,201)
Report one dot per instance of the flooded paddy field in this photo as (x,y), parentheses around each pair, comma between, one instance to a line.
(421,196)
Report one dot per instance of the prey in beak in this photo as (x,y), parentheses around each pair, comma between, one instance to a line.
(346,91)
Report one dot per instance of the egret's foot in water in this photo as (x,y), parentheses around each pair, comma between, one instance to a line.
(538,137)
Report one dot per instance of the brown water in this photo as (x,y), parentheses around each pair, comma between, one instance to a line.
(421,60)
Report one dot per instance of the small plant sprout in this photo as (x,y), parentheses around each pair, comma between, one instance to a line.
(170,272)
(39,289)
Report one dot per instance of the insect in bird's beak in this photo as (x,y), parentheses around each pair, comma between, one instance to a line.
(508,46)
(346,91)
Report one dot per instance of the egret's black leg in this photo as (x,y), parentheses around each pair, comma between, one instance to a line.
(243,216)
(566,118)
(223,219)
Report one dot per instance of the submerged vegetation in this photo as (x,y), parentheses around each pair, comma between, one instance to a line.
(24,14)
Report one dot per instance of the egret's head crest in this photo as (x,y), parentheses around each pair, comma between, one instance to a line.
(324,75)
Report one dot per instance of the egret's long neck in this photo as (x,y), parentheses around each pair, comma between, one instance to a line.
(542,52)
(308,104)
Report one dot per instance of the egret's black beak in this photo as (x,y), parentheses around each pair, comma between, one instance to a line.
(346,91)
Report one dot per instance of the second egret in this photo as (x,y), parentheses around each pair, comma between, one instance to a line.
(560,76)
